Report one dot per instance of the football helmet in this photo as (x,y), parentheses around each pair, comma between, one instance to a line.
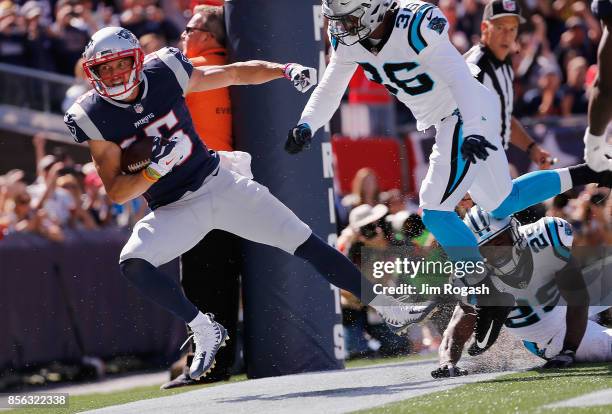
(108,44)
(503,242)
(351,21)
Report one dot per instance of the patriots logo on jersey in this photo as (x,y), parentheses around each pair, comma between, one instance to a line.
(69,120)
(437,24)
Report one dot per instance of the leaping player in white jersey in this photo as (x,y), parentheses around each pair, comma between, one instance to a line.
(534,264)
(404,45)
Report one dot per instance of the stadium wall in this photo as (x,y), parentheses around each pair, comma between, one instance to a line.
(292,315)
(64,301)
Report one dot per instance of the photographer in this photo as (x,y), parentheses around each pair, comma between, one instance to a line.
(364,331)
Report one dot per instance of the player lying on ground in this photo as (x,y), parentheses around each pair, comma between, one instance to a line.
(598,153)
(534,264)
(138,98)
(404,45)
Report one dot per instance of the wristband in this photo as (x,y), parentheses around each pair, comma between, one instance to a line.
(150,176)
(285,74)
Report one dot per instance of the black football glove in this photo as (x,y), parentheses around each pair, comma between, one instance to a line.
(298,139)
(448,371)
(489,322)
(475,146)
(564,359)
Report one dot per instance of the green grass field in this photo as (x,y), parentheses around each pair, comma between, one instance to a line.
(79,403)
(525,392)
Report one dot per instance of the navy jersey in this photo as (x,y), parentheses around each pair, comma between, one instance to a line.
(601,8)
(160,111)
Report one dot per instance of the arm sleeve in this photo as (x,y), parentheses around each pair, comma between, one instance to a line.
(442,59)
(327,95)
(178,63)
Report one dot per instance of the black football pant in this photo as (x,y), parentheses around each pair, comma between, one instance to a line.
(210,275)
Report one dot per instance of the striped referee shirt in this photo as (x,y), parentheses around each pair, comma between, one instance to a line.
(496,75)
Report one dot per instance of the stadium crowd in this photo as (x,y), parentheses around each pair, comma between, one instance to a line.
(63,196)
(554,60)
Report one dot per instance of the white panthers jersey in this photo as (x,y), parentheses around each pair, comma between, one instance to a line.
(415,61)
(536,315)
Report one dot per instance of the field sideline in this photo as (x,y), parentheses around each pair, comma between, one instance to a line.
(396,387)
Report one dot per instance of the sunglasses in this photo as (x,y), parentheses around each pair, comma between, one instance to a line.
(190,30)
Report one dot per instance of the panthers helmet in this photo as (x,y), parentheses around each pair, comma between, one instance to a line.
(503,259)
(109,44)
(351,21)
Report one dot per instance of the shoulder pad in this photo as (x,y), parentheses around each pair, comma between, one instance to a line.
(560,235)
(79,123)
(178,63)
(427,27)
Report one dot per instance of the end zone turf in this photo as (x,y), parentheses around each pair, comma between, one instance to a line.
(524,392)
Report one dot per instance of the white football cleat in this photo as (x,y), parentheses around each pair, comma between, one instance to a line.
(207,337)
(597,152)
(399,315)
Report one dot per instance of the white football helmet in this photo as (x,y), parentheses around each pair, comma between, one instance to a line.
(109,44)
(351,21)
(503,258)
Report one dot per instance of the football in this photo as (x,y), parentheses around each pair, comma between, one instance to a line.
(137,155)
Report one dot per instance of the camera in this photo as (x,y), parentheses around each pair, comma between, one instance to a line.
(369,230)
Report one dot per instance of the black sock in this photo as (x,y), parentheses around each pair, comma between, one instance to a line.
(158,287)
(335,267)
(582,174)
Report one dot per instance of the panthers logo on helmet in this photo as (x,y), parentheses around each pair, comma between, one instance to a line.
(437,24)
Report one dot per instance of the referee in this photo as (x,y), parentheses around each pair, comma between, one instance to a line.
(499,27)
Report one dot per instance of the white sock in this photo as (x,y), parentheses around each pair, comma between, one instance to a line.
(199,320)
(565,178)
(592,138)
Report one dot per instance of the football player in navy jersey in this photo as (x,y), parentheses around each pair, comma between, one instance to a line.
(188,190)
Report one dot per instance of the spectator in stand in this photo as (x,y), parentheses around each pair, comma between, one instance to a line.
(595,219)
(80,218)
(12,35)
(145,16)
(152,42)
(57,203)
(575,99)
(96,202)
(22,217)
(545,100)
(38,41)
(365,189)
(70,32)
(458,38)
(469,21)
(559,207)
(575,42)
(551,20)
